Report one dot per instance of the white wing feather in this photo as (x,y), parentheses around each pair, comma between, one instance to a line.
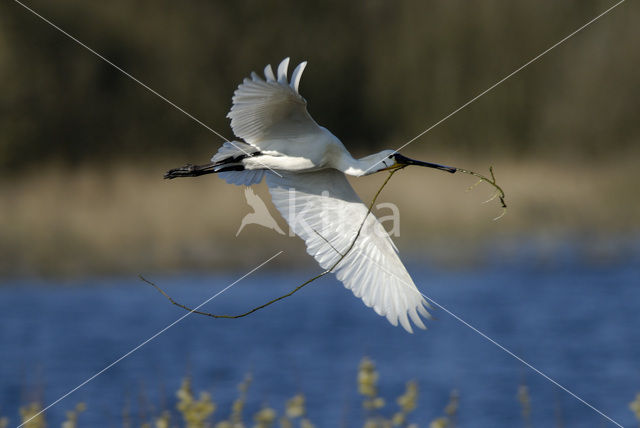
(270,110)
(323,209)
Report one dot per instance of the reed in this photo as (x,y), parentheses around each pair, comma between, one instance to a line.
(127,219)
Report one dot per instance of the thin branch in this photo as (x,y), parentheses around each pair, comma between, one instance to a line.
(491,181)
(257,308)
(327,241)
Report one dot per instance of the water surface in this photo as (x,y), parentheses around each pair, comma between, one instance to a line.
(575,320)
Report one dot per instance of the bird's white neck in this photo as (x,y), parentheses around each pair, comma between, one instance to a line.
(364,166)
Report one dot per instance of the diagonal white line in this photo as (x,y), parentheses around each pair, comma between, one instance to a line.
(414,289)
(151,338)
(147,87)
(517,70)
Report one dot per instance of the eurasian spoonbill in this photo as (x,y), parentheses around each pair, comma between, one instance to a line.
(304,166)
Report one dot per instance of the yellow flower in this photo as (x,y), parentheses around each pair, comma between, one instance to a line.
(378,402)
(295,406)
(31,414)
(525,401)
(285,422)
(399,419)
(439,423)
(407,401)
(454,401)
(367,378)
(164,420)
(370,423)
(265,417)
(72,416)
(635,406)
(373,403)
(238,405)
(194,412)
(306,423)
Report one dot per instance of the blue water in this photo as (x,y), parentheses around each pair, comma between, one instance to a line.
(573,319)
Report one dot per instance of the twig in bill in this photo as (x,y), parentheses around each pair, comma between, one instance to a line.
(492,182)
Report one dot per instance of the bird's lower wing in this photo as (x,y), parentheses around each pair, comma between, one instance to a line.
(323,209)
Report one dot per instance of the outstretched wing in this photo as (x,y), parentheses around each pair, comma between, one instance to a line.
(323,209)
(269,110)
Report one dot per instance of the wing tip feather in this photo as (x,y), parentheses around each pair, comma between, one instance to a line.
(268,73)
(283,67)
(297,75)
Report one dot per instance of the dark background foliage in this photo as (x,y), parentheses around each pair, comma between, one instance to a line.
(379,72)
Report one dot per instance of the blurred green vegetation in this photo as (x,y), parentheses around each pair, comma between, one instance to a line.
(379,72)
(202,412)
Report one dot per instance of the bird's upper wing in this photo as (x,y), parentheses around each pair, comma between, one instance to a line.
(269,110)
(323,209)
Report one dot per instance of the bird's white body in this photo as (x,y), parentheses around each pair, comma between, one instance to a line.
(304,166)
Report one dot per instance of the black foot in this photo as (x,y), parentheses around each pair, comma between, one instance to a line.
(190,170)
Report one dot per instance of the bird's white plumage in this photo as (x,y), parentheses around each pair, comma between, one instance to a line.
(322,208)
(304,166)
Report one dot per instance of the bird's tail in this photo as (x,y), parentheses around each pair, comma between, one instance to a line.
(227,161)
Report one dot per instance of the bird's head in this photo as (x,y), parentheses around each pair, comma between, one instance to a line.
(391,160)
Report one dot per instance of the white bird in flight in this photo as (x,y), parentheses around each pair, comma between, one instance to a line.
(304,166)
